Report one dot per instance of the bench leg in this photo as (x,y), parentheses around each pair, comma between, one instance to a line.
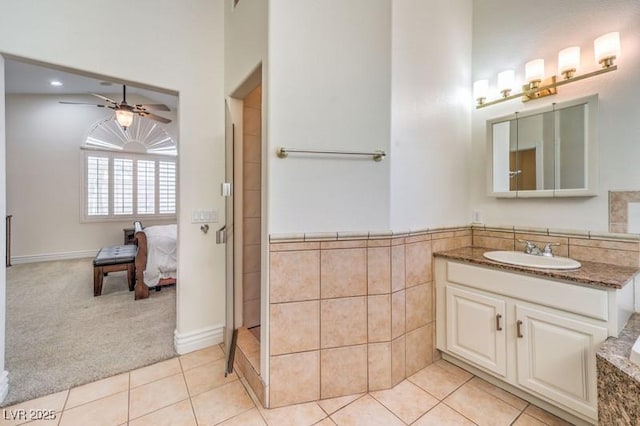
(131,275)
(97,281)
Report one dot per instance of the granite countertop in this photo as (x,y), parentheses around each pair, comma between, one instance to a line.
(616,350)
(591,273)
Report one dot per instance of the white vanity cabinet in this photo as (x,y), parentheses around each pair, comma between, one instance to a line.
(537,335)
(475,328)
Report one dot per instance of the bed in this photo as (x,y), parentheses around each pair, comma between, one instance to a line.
(155,263)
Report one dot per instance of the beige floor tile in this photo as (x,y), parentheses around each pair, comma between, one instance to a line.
(177,414)
(252,394)
(221,403)
(152,396)
(326,422)
(250,417)
(153,372)
(527,420)
(111,410)
(207,377)
(453,370)
(442,415)
(545,416)
(481,407)
(332,405)
(97,390)
(406,401)
(53,402)
(440,380)
(507,397)
(301,414)
(203,356)
(365,411)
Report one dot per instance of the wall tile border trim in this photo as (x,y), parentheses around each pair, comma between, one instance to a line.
(554,232)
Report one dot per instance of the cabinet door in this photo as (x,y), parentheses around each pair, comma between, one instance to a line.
(557,358)
(476,328)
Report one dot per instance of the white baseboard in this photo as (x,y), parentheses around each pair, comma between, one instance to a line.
(4,385)
(31,258)
(199,339)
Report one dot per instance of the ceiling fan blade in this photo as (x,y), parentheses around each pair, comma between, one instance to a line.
(154,117)
(104,98)
(81,103)
(157,107)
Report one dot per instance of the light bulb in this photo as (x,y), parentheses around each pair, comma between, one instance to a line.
(505,82)
(124,118)
(568,61)
(480,90)
(534,72)
(607,49)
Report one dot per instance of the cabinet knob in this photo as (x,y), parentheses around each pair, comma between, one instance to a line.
(519,328)
(498,317)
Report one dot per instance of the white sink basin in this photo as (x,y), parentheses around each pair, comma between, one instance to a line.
(532,261)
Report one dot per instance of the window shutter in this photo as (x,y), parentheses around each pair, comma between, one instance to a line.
(166,187)
(97,186)
(146,186)
(122,186)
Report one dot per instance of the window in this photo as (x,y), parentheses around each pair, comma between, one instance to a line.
(125,185)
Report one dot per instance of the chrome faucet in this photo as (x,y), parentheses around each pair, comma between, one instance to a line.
(531,248)
(546,251)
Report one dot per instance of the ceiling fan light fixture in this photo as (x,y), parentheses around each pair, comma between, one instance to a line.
(124,118)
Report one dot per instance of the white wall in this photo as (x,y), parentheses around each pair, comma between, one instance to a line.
(4,381)
(329,88)
(245,40)
(44,177)
(181,50)
(506,34)
(431,57)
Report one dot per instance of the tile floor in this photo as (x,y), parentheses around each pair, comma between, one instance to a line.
(192,390)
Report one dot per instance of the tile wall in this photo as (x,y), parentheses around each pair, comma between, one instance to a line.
(355,313)
(251,211)
(616,249)
(351,313)
(623,211)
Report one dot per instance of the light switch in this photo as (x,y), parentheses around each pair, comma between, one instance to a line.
(204,216)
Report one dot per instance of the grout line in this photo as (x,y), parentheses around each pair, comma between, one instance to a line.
(519,415)
(458,412)
(129,398)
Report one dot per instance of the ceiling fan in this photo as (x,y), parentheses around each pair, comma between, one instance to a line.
(125,112)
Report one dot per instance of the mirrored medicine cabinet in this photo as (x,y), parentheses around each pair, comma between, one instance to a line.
(546,152)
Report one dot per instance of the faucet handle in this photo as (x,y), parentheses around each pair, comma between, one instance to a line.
(529,246)
(546,251)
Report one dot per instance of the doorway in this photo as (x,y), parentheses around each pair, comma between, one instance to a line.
(48,130)
(246,109)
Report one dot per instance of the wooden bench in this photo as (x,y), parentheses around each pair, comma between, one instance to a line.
(112,259)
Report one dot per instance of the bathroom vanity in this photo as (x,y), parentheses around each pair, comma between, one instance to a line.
(535,330)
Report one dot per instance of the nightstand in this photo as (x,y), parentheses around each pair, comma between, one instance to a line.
(128,235)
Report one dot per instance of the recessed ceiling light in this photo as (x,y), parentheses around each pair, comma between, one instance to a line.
(56,83)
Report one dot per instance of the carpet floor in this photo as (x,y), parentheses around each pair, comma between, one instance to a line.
(59,336)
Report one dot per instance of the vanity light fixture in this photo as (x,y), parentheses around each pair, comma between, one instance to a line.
(606,50)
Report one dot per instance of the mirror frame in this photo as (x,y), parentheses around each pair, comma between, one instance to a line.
(591,151)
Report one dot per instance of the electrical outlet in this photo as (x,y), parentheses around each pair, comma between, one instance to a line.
(476,216)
